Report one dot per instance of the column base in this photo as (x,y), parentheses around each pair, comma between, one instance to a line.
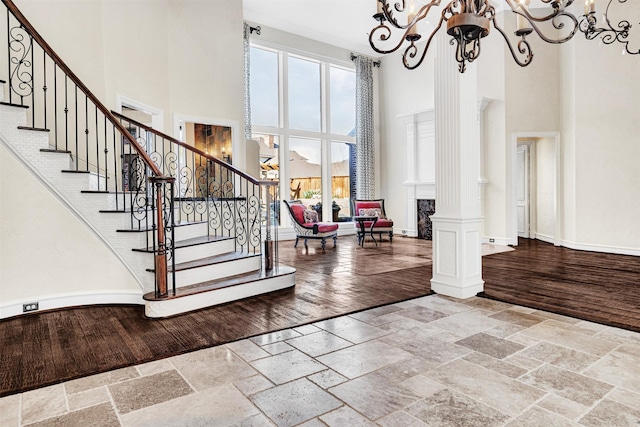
(457,257)
(455,291)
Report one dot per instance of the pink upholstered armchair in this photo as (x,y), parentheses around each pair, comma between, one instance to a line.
(305,222)
(374,208)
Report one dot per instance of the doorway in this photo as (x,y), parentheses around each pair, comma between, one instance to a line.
(536,187)
(524,192)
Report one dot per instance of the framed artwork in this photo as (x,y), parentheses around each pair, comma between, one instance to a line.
(215,140)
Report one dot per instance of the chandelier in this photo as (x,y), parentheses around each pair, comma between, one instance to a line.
(469,21)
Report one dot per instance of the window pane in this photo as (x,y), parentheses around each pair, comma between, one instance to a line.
(342,179)
(343,101)
(269,164)
(264,87)
(305,172)
(304,94)
(269,161)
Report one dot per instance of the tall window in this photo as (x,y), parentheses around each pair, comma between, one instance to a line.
(264,87)
(304,108)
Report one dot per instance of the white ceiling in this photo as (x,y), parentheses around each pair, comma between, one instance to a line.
(344,23)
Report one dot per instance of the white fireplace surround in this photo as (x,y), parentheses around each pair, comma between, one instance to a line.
(421,161)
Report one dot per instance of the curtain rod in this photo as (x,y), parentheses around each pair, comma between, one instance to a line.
(257,29)
(375,63)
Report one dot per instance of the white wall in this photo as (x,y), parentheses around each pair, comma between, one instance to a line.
(178,56)
(205,57)
(545,164)
(73,28)
(135,40)
(492,86)
(607,147)
(38,260)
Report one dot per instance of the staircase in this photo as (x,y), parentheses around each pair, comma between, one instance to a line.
(193,230)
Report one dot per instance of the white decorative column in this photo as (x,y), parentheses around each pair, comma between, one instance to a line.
(457,262)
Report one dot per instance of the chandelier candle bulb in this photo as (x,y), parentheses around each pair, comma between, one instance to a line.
(522,22)
(410,18)
(379,8)
(589,6)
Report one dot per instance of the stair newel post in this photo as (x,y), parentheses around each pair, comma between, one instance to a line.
(268,243)
(158,183)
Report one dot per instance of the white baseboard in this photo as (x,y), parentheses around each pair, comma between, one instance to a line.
(50,302)
(545,238)
(601,248)
(497,241)
(409,232)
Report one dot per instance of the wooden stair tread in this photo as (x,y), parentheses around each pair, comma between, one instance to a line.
(226,282)
(53,150)
(144,229)
(214,259)
(73,171)
(9,104)
(202,240)
(127,210)
(33,129)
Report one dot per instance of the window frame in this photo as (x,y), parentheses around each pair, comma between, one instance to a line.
(285,133)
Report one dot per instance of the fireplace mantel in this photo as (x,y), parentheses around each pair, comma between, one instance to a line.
(420,128)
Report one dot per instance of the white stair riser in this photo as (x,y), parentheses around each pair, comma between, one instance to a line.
(191,253)
(144,239)
(159,309)
(12,117)
(216,271)
(184,232)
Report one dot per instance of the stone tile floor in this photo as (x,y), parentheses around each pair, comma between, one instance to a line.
(431,361)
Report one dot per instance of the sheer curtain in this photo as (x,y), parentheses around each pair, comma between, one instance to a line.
(365,143)
(247,94)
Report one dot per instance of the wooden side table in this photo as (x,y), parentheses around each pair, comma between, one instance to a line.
(361,220)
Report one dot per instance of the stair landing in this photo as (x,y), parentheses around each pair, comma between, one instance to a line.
(219,291)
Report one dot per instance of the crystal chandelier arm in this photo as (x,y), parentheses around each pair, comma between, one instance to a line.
(610,34)
(523,47)
(382,32)
(385,34)
(390,14)
(412,49)
(555,17)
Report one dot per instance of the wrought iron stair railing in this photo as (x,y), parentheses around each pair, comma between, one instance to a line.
(233,203)
(77,123)
(156,179)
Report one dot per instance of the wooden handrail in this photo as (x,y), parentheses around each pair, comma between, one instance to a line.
(192,148)
(60,63)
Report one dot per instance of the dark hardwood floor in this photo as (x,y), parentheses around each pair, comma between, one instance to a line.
(602,288)
(50,347)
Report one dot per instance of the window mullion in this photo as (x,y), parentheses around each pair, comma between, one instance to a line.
(283,89)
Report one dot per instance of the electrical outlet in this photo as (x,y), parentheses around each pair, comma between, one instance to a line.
(32,306)
(404,231)
(492,240)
